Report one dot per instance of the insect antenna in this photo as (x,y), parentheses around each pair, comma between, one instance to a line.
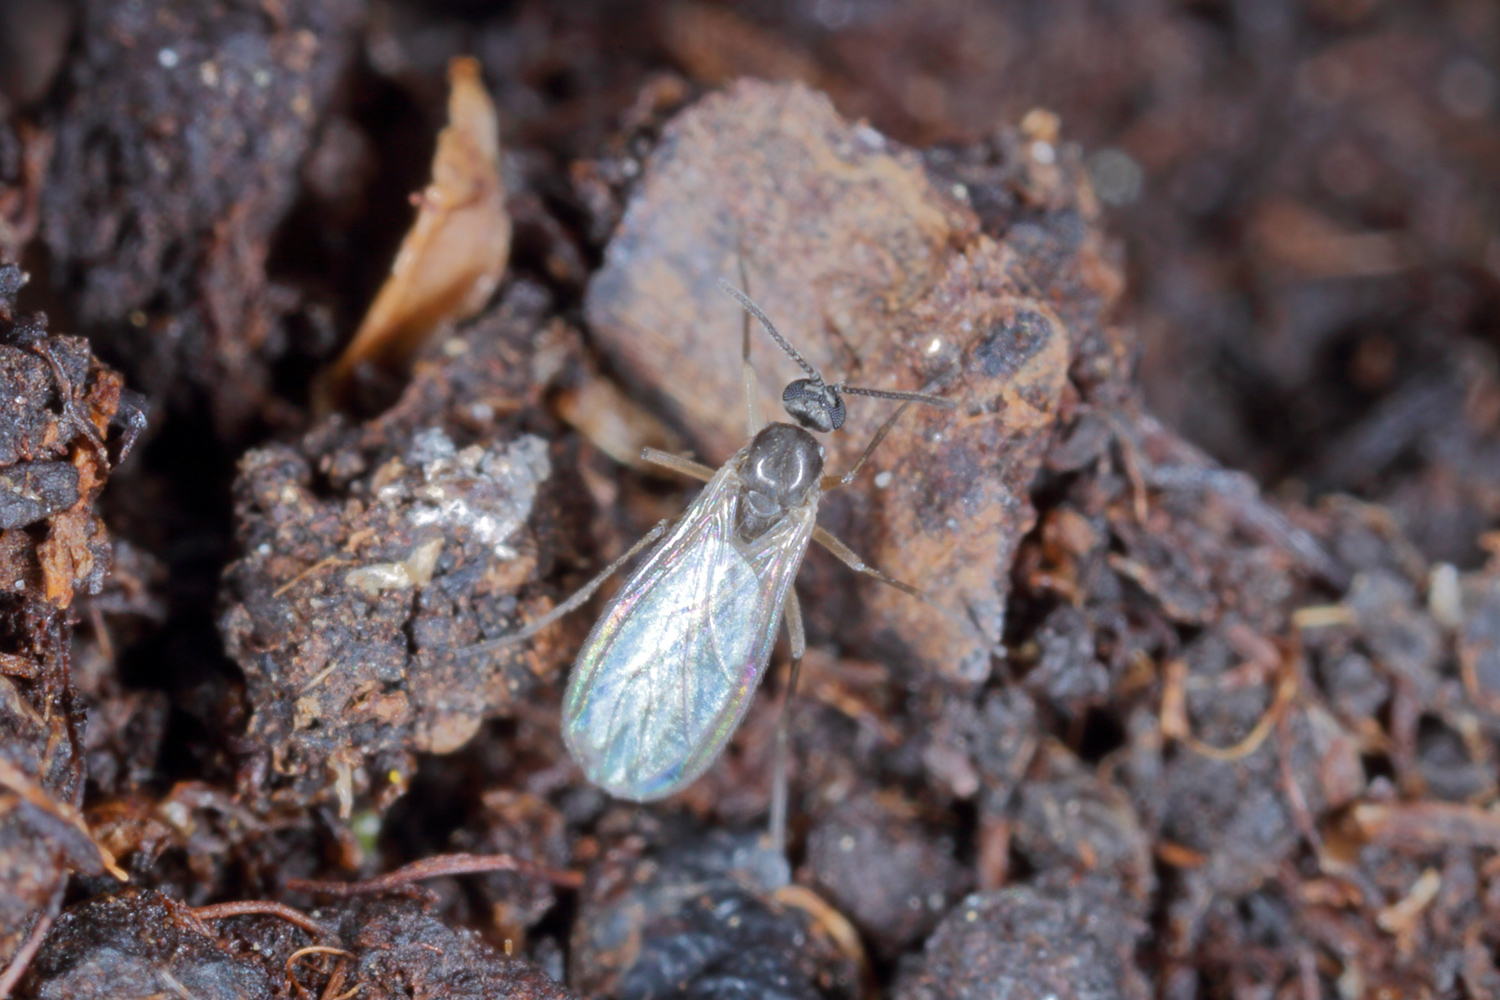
(907,398)
(739,241)
(812,402)
(765,321)
(910,397)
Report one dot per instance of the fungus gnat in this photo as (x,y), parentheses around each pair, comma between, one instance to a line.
(668,672)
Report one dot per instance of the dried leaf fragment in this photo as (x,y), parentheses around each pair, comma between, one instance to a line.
(453,256)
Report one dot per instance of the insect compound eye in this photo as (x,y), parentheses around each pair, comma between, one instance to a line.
(814,405)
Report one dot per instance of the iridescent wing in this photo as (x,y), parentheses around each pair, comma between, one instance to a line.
(668,671)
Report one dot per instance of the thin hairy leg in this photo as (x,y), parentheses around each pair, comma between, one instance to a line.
(779,790)
(578,597)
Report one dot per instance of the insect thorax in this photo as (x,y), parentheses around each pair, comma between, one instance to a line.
(782,467)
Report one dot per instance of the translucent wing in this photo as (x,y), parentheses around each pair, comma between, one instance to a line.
(668,671)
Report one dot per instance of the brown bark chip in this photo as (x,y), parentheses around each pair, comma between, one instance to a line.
(878,278)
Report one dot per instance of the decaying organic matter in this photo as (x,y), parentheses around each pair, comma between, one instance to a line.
(374,555)
(1186,731)
(1070,940)
(173,165)
(670,911)
(137,943)
(451,261)
(64,424)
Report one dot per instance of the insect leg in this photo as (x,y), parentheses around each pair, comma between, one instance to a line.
(576,599)
(779,793)
(753,418)
(834,482)
(676,463)
(846,555)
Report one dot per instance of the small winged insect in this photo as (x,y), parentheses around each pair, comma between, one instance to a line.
(669,670)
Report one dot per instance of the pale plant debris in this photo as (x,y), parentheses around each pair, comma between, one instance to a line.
(453,256)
